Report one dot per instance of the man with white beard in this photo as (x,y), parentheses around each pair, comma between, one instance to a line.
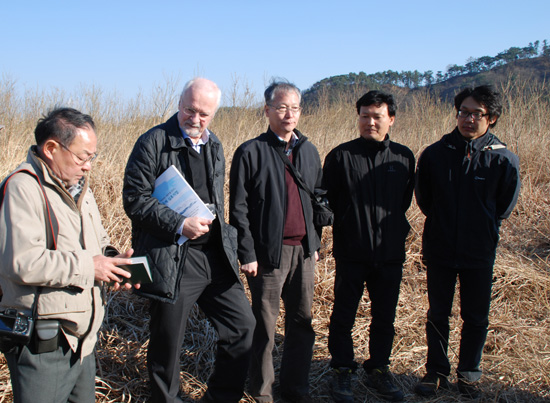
(202,270)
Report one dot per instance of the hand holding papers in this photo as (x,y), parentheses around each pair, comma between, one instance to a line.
(172,190)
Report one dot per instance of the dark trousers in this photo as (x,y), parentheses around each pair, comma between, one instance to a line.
(293,281)
(383,283)
(475,299)
(208,281)
(54,377)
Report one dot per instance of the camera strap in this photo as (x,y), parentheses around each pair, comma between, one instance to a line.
(51,222)
(51,219)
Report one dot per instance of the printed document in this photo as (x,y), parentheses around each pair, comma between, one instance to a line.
(172,190)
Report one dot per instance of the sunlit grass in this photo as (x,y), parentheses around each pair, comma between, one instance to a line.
(516,360)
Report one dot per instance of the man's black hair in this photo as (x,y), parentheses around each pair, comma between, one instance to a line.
(484,95)
(377,98)
(61,124)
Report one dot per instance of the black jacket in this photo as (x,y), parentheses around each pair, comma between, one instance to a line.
(369,186)
(257,199)
(154,226)
(465,189)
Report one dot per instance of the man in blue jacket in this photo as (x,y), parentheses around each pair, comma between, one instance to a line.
(204,269)
(278,242)
(467,183)
(369,183)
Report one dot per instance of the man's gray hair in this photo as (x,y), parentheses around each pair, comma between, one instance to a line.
(278,86)
(193,81)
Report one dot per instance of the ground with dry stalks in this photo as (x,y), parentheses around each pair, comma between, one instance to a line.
(516,360)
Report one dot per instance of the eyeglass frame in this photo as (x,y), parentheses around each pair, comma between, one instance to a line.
(476,115)
(192,112)
(82,161)
(293,110)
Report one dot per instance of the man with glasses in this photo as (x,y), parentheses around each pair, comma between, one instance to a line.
(278,242)
(467,183)
(369,183)
(204,269)
(56,270)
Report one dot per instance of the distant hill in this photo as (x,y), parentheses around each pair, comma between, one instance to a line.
(536,70)
(529,63)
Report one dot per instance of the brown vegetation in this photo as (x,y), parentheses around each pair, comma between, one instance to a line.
(516,361)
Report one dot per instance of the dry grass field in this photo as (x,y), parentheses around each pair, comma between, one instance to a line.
(516,360)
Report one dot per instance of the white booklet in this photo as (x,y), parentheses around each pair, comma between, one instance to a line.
(172,190)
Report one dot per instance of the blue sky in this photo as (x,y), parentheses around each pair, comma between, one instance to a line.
(132,46)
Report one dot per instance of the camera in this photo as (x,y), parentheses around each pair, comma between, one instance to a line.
(15,329)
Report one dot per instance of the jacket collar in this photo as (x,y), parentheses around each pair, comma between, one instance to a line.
(375,145)
(172,129)
(488,141)
(48,176)
(175,137)
(275,140)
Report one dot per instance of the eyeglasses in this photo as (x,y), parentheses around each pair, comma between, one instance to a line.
(193,112)
(475,115)
(79,160)
(283,109)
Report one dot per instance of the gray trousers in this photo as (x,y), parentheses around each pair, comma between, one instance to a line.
(293,281)
(55,377)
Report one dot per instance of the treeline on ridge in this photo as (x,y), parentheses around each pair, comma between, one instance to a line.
(531,62)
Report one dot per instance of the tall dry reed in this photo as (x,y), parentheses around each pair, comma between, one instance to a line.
(516,361)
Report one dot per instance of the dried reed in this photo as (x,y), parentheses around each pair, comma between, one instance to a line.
(516,361)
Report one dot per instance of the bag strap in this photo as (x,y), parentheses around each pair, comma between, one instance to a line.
(51,219)
(294,171)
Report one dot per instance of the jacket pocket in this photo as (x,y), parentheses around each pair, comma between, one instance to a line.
(63,301)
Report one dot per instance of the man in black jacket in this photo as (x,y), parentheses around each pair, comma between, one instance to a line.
(204,269)
(369,183)
(278,242)
(467,183)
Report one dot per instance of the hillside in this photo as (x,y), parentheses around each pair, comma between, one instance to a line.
(527,64)
(535,70)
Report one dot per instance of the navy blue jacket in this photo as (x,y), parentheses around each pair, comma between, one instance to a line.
(465,189)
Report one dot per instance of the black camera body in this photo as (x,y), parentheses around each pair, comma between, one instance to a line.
(15,329)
